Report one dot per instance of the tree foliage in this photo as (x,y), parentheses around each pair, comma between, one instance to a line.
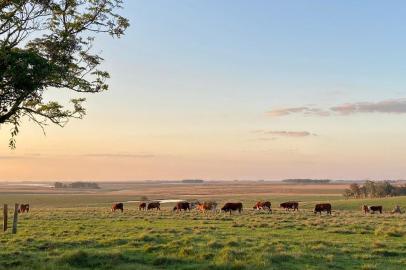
(48,44)
(372,189)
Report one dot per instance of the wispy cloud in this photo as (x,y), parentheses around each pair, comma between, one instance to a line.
(285,133)
(119,155)
(23,156)
(397,106)
(295,110)
(393,106)
(94,155)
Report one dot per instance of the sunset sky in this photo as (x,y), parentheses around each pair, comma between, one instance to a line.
(236,90)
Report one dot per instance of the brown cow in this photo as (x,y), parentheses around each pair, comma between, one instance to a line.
(229,207)
(210,205)
(117,206)
(181,206)
(193,204)
(373,209)
(143,206)
(322,207)
(290,205)
(24,208)
(263,205)
(154,205)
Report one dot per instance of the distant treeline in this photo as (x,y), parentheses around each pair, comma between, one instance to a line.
(85,185)
(307,181)
(371,189)
(192,181)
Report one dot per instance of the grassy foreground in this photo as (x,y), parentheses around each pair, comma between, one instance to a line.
(90,237)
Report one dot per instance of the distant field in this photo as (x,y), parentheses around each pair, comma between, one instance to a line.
(111,192)
(78,231)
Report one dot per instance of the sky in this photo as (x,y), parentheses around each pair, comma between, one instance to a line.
(235,90)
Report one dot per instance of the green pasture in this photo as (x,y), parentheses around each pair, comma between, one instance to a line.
(78,232)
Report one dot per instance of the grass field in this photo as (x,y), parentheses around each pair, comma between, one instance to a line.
(77,231)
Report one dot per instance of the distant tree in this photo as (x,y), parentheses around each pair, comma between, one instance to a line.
(348,193)
(192,181)
(48,44)
(363,192)
(370,188)
(58,185)
(374,189)
(384,189)
(307,181)
(355,190)
(84,185)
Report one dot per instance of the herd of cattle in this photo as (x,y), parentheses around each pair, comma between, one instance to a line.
(230,207)
(238,206)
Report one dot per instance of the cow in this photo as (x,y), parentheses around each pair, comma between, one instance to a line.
(263,205)
(373,209)
(143,206)
(154,205)
(322,207)
(117,206)
(229,207)
(24,208)
(182,206)
(210,205)
(290,205)
(194,204)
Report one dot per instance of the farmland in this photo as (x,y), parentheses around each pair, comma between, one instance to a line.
(76,230)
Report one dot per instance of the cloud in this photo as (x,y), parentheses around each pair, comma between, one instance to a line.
(95,155)
(119,155)
(9,157)
(295,110)
(285,133)
(387,106)
(286,111)
(394,106)
(24,156)
(290,133)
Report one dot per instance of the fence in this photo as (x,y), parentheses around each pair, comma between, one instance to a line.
(5,218)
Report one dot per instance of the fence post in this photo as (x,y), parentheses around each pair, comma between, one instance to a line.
(15,220)
(5,217)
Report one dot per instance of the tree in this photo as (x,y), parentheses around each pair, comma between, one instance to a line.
(363,191)
(355,190)
(370,188)
(348,193)
(48,44)
(58,185)
(384,189)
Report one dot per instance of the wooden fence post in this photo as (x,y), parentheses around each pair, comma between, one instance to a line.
(15,220)
(5,217)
